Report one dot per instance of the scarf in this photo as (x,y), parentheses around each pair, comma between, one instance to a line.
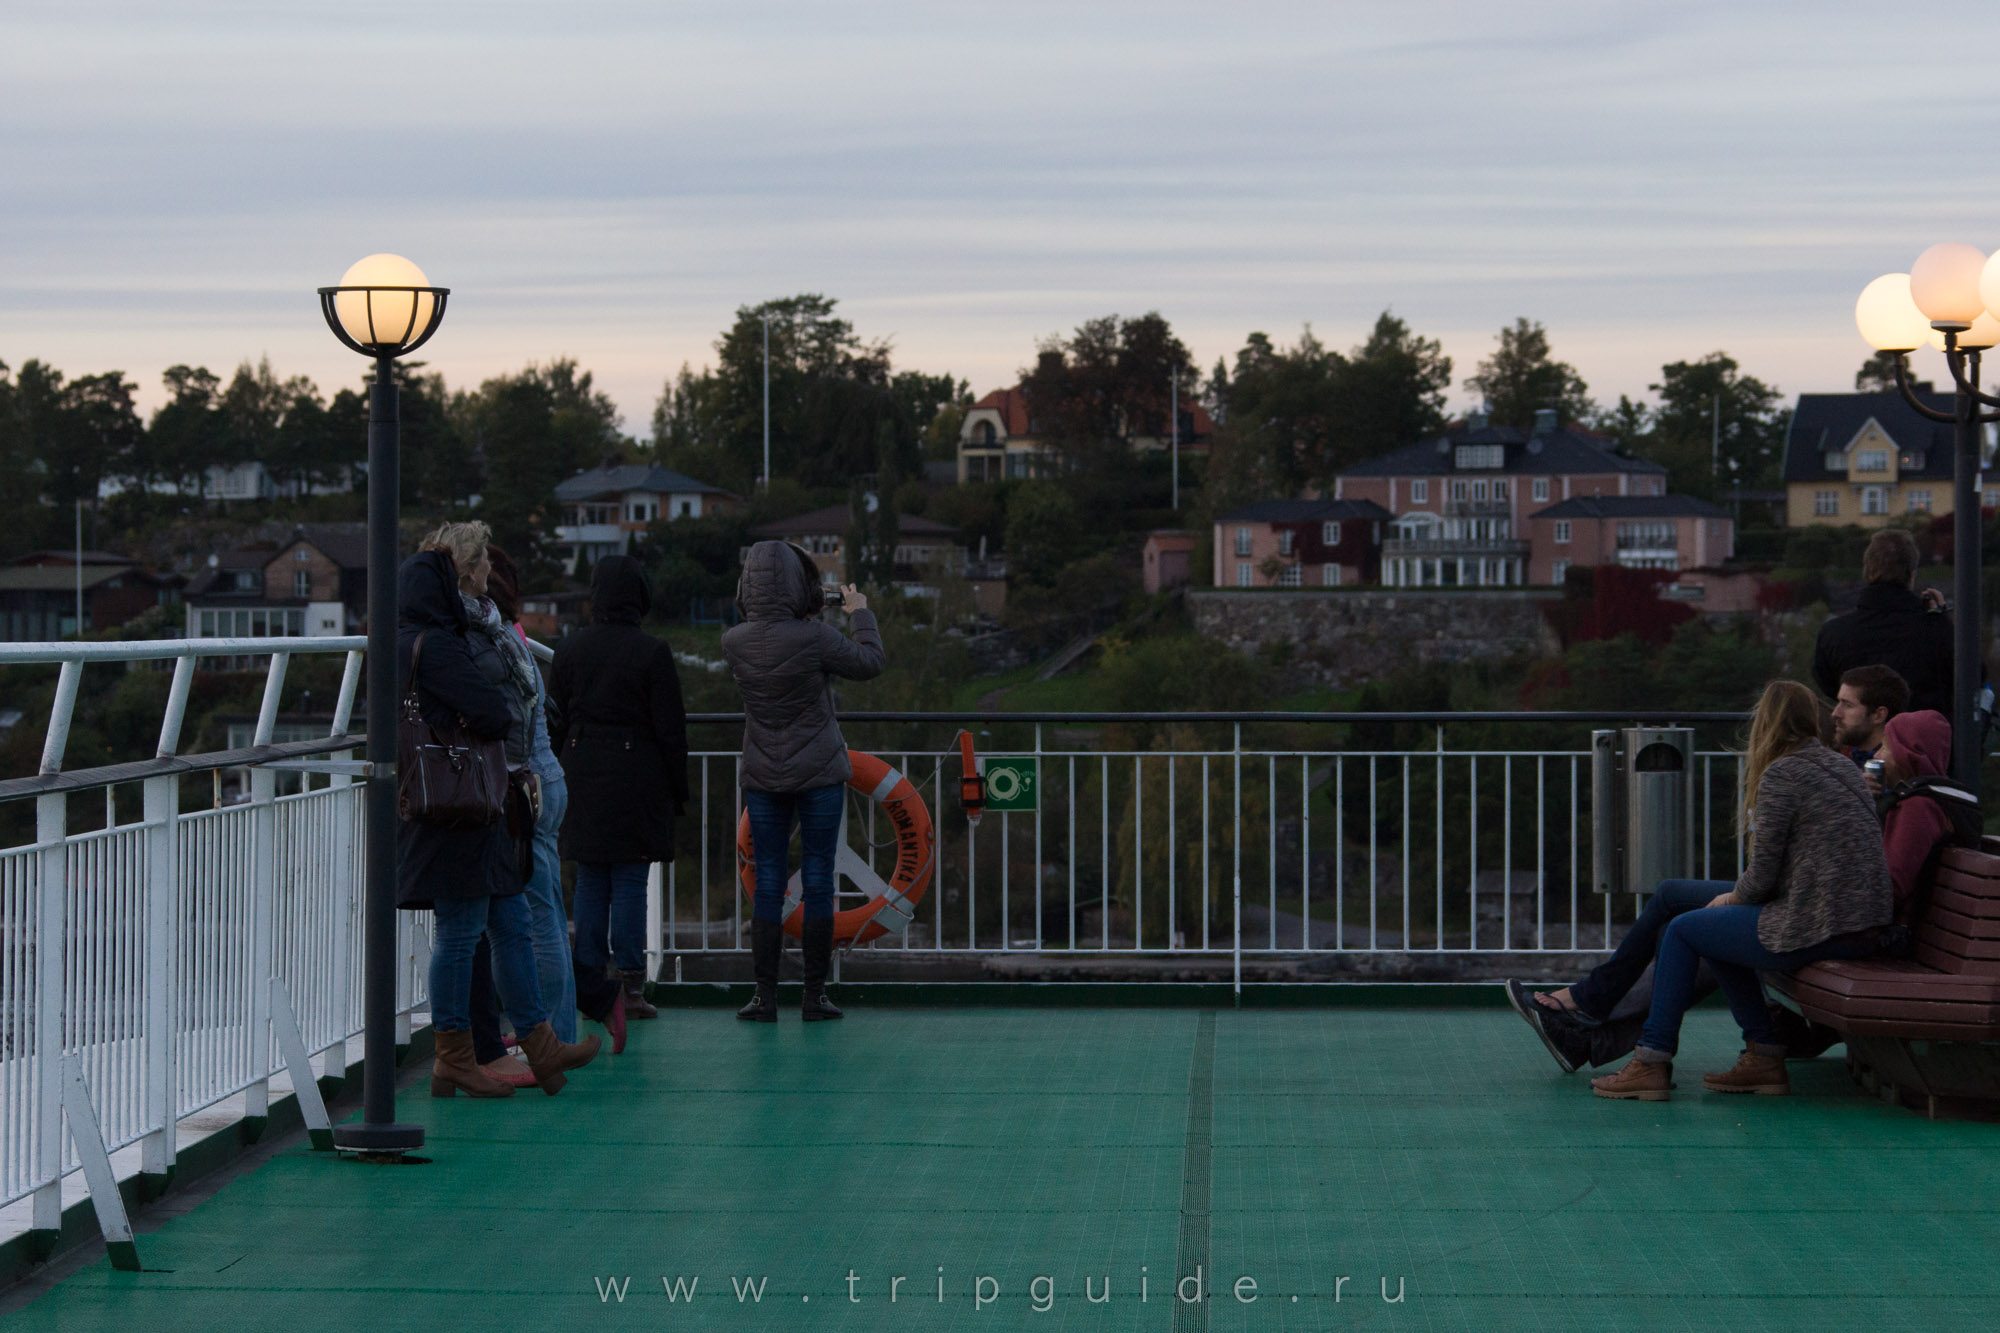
(485,618)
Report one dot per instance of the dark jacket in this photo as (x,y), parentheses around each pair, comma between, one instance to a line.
(1889,627)
(784,665)
(1817,865)
(1913,829)
(618,727)
(433,863)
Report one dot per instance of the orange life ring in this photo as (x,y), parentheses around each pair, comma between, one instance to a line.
(893,902)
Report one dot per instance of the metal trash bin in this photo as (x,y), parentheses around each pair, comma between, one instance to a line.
(1642,814)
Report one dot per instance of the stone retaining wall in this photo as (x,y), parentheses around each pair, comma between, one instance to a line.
(1347,637)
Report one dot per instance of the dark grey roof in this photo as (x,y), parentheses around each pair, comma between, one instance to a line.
(346,544)
(1830,421)
(1632,506)
(1560,451)
(631,477)
(1305,511)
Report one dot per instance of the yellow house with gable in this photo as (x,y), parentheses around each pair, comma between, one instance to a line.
(1865,458)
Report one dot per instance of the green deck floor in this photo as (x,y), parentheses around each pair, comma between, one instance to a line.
(1440,1147)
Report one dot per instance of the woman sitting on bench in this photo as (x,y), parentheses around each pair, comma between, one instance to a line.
(1816,887)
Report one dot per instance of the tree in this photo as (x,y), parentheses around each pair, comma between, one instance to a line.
(535,428)
(1629,423)
(1110,382)
(440,463)
(1394,386)
(184,439)
(19,490)
(1043,533)
(1877,374)
(1708,407)
(1519,379)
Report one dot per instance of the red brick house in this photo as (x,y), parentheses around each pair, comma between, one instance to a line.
(1300,544)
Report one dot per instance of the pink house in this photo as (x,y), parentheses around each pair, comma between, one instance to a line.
(1637,531)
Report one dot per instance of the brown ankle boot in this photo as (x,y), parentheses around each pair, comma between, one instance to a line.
(1760,1069)
(636,1003)
(550,1058)
(1639,1081)
(453,1069)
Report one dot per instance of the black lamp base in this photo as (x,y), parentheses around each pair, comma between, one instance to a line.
(367,1138)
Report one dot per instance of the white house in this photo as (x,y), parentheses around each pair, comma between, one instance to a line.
(604,508)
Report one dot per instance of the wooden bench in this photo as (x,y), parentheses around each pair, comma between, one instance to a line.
(1923,1031)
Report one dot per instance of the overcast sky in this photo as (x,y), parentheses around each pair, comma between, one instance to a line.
(609,182)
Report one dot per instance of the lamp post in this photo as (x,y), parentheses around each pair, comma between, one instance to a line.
(1946,299)
(384,307)
(767,401)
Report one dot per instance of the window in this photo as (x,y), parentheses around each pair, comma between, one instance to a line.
(687,509)
(1541,488)
(1826,504)
(1420,492)
(1920,502)
(1285,536)
(1479,490)
(1329,533)
(1480,455)
(1559,571)
(1289,577)
(1914,461)
(1243,542)
(1243,574)
(982,435)
(1458,490)
(1562,531)
(1874,499)
(302,555)
(1872,460)
(1501,490)
(1651,536)
(1329,576)
(1836,460)
(302,583)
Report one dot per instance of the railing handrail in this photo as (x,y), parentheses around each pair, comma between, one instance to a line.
(138,770)
(166,650)
(1637,717)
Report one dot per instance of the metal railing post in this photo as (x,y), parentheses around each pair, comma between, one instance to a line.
(162,815)
(51,876)
(263,898)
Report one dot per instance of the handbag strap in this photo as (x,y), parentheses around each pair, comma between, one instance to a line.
(416,653)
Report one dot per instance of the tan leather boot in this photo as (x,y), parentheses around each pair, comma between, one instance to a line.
(453,1069)
(1760,1069)
(1639,1081)
(550,1058)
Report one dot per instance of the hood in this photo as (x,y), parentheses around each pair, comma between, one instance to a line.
(618,592)
(427,592)
(1921,742)
(773,586)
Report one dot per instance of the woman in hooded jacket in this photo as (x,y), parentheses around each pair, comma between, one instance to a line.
(618,727)
(794,766)
(468,877)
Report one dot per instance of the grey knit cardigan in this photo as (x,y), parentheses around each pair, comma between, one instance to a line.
(1816,861)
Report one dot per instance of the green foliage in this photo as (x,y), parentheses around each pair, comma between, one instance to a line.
(1519,379)
(692,558)
(1293,417)
(1110,382)
(1180,672)
(1877,374)
(1043,532)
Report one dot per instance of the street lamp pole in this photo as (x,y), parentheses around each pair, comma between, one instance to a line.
(383,308)
(1174,393)
(767,401)
(1944,301)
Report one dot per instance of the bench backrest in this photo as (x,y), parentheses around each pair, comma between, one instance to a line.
(1959,927)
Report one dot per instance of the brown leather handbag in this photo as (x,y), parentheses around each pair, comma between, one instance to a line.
(445,778)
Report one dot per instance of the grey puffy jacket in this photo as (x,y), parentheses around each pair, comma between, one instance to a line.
(784,666)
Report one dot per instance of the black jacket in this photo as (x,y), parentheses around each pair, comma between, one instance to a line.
(617,726)
(1889,627)
(433,863)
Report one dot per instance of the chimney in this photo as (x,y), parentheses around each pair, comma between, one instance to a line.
(1545,421)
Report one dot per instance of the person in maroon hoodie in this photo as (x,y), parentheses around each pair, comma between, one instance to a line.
(1914,745)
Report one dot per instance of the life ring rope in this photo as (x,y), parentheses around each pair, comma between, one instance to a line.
(892,905)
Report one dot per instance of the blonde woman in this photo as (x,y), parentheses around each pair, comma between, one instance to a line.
(1816,887)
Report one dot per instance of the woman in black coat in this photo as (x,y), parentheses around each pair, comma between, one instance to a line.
(470,878)
(619,729)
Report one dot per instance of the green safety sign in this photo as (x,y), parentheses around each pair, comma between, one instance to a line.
(1013,782)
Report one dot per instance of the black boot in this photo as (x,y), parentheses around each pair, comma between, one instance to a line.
(815,950)
(767,940)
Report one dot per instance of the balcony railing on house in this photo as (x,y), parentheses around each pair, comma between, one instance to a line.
(157,958)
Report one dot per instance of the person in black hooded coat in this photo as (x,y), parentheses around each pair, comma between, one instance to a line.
(619,729)
(470,878)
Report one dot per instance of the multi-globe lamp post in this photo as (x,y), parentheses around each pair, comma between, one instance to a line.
(1948,299)
(383,308)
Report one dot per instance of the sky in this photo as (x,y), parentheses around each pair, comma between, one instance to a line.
(609,182)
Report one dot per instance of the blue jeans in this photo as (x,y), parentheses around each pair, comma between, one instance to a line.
(550,929)
(1599,993)
(1727,938)
(818,812)
(504,921)
(611,895)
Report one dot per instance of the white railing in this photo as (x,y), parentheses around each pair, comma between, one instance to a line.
(149,952)
(1225,852)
